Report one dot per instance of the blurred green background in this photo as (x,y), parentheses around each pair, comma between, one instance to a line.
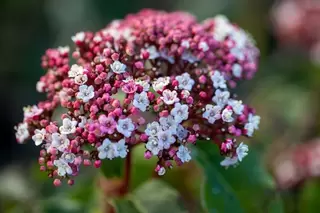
(285,93)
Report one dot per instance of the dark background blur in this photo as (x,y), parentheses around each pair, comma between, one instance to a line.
(285,91)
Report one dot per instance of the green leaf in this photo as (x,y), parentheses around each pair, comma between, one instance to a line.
(276,205)
(157,197)
(125,206)
(218,196)
(113,168)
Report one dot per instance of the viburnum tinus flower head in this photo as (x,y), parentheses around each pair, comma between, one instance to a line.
(164,68)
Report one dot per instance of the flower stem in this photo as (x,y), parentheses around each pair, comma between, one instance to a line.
(127,173)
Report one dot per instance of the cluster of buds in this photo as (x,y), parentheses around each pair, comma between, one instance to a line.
(155,78)
(297,22)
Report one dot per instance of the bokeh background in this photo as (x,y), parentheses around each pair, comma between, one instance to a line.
(284,166)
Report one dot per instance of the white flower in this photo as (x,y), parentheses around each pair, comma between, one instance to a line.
(63,167)
(182,133)
(160,83)
(218,80)
(237,70)
(75,70)
(63,95)
(227,115)
(97,39)
(255,120)
(83,121)
(68,157)
(185,93)
(39,136)
(154,145)
(153,52)
(168,123)
(180,112)
(212,113)
(107,150)
(166,138)
(228,161)
(184,154)
(161,171)
(85,93)
(203,46)
(238,53)
(29,111)
(249,128)
(185,44)
(144,84)
(122,148)
(169,97)
(81,79)
(221,97)
(188,56)
(63,50)
(222,28)
(78,37)
(61,142)
(118,67)
(141,101)
(40,86)
(242,151)
(22,132)
(153,129)
(68,126)
(125,127)
(237,106)
(185,82)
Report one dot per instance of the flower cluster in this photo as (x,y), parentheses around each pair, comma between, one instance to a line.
(296,22)
(155,78)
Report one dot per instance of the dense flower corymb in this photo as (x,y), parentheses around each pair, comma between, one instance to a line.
(167,64)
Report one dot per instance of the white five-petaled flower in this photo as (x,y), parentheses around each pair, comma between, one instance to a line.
(39,136)
(141,101)
(169,97)
(79,37)
(221,97)
(184,154)
(153,52)
(168,123)
(40,86)
(236,105)
(160,83)
(144,84)
(185,43)
(125,127)
(249,128)
(118,67)
(237,70)
(85,93)
(185,82)
(75,70)
(242,151)
(180,112)
(81,79)
(154,145)
(203,46)
(161,171)
(107,150)
(182,133)
(63,167)
(122,148)
(229,161)
(63,50)
(60,142)
(227,115)
(255,120)
(68,157)
(212,113)
(83,121)
(22,132)
(68,126)
(153,129)
(218,80)
(166,138)
(31,111)
(222,28)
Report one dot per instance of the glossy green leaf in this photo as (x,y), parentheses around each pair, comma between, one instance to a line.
(217,194)
(126,206)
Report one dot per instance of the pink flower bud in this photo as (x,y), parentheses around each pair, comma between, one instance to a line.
(97,164)
(192,139)
(86,162)
(57,182)
(147,155)
(139,65)
(143,137)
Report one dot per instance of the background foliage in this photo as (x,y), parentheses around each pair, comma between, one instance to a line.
(284,92)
